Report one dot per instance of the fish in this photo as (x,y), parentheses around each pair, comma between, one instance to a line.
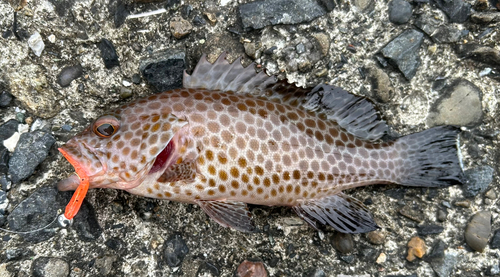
(232,136)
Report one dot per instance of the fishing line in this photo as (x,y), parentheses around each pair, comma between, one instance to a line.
(62,220)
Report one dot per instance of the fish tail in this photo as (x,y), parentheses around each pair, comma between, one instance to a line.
(431,158)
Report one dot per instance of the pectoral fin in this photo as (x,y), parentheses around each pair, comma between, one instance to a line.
(229,214)
(344,213)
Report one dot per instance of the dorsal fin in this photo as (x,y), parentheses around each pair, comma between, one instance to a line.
(225,76)
(353,113)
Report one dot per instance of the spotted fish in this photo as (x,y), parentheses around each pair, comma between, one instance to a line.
(232,136)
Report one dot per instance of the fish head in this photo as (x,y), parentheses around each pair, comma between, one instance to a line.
(119,150)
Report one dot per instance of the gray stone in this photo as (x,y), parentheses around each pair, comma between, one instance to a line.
(68,74)
(459,104)
(381,87)
(174,250)
(5,99)
(446,267)
(105,265)
(485,18)
(35,212)
(437,252)
(478,52)
(343,242)
(431,229)
(364,5)
(403,52)
(31,150)
(8,129)
(456,10)
(478,230)
(495,240)
(50,267)
(262,13)
(438,32)
(400,11)
(477,180)
(4,202)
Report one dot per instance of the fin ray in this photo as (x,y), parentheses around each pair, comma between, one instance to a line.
(228,213)
(342,212)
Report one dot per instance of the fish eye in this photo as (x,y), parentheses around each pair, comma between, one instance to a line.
(106,126)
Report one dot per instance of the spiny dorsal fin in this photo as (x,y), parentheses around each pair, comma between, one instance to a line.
(225,76)
(353,113)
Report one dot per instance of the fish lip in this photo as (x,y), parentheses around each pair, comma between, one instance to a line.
(69,147)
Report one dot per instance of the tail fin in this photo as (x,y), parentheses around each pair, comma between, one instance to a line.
(430,158)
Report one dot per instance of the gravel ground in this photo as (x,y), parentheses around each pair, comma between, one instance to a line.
(424,63)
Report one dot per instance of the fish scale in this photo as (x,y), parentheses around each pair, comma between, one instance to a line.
(232,136)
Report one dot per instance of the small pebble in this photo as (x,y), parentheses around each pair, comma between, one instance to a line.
(48,266)
(416,248)
(180,27)
(251,269)
(68,74)
(300,48)
(126,83)
(400,11)
(108,53)
(412,214)
(136,78)
(430,229)
(5,99)
(36,44)
(52,38)
(381,258)
(491,194)
(478,230)
(464,204)
(495,240)
(442,215)
(376,237)
(211,18)
(174,250)
(343,242)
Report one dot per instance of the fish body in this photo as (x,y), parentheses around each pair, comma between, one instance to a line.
(232,136)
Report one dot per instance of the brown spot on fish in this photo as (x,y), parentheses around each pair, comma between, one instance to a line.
(245,178)
(235,184)
(212,170)
(234,172)
(296,174)
(223,175)
(267,182)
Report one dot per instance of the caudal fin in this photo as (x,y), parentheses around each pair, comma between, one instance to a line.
(431,158)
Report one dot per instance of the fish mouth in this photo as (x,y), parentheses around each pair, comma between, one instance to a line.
(78,158)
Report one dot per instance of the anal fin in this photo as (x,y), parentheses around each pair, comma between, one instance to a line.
(344,213)
(228,213)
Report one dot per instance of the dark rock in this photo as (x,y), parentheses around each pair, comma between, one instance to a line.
(31,150)
(495,3)
(290,251)
(5,183)
(164,72)
(412,213)
(85,222)
(493,270)
(424,230)
(207,269)
(4,202)
(347,258)
(439,84)
(68,74)
(62,7)
(108,53)
(442,215)
(262,13)
(8,129)
(329,5)
(477,180)
(314,272)
(403,52)
(4,160)
(49,266)
(136,79)
(446,267)
(485,18)
(5,99)
(251,269)
(495,240)
(117,244)
(456,10)
(400,11)
(459,104)
(199,21)
(121,13)
(17,254)
(381,89)
(479,53)
(437,252)
(478,230)
(368,254)
(35,212)
(343,242)
(174,250)
(439,33)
